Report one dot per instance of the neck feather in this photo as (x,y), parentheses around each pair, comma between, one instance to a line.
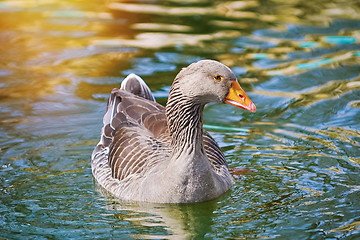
(185,121)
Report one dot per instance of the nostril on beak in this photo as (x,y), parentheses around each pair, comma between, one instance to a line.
(241,96)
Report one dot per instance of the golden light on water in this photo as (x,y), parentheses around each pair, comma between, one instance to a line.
(46,32)
(39,36)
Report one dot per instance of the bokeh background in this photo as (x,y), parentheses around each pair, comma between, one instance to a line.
(298,60)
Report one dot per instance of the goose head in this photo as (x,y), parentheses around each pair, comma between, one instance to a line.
(211,81)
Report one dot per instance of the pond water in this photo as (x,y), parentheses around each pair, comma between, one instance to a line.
(299,62)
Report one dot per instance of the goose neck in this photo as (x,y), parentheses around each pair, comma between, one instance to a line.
(185,123)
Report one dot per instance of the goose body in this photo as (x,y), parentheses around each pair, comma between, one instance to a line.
(152,153)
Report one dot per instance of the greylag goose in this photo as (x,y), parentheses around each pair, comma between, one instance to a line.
(152,153)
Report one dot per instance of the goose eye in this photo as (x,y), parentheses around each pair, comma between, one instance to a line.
(218,78)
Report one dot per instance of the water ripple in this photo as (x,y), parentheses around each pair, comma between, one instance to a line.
(297,60)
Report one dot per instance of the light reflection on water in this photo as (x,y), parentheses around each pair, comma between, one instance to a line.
(298,60)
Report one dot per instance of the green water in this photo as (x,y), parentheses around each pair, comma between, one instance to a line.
(299,61)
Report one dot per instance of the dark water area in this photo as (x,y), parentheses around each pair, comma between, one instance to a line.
(299,61)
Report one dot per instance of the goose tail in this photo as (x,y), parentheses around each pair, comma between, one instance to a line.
(135,85)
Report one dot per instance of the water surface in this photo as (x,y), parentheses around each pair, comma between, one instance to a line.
(299,62)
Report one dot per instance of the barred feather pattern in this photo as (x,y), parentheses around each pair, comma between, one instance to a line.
(190,129)
(138,138)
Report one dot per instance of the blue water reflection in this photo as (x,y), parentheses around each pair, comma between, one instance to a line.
(299,61)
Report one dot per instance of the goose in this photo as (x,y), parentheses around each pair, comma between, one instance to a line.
(151,153)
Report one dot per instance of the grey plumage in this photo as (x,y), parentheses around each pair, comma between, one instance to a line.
(156,154)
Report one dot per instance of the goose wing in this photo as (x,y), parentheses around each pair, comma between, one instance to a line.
(213,152)
(134,136)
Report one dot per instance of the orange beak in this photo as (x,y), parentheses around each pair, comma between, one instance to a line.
(238,98)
